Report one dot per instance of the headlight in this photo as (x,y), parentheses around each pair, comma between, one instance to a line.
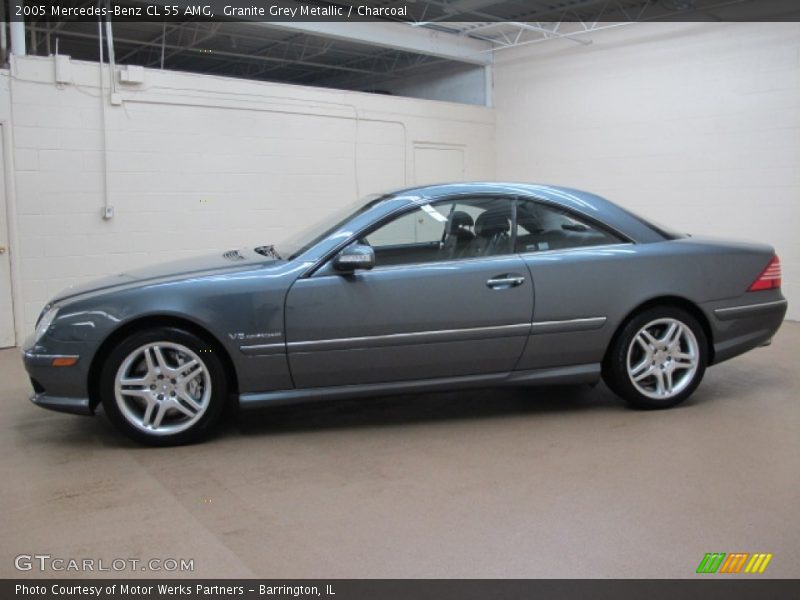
(44,323)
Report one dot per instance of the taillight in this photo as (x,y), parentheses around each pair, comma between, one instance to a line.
(770,277)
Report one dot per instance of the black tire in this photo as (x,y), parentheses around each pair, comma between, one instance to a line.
(176,342)
(616,371)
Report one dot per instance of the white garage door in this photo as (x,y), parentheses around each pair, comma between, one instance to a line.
(6,308)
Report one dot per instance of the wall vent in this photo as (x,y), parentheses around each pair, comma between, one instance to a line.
(233,255)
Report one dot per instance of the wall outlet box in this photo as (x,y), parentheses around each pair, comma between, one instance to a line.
(63,66)
(116,99)
(131,74)
(108,212)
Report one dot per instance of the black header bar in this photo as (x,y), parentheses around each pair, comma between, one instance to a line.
(414,11)
(399,589)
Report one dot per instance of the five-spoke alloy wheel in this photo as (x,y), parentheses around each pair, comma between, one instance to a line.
(658,358)
(163,386)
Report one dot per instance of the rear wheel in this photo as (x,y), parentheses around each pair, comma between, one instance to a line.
(658,359)
(163,386)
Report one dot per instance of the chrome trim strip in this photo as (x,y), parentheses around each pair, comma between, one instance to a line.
(748,310)
(414,337)
(427,337)
(573,249)
(263,349)
(563,326)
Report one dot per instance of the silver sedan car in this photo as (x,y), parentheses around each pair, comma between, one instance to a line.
(429,288)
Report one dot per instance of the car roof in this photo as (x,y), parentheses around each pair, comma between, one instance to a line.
(591,205)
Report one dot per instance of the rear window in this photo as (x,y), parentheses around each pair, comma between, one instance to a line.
(665,232)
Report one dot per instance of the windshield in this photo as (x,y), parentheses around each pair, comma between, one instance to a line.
(315,231)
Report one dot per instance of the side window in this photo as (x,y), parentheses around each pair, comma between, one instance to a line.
(446,230)
(418,227)
(543,227)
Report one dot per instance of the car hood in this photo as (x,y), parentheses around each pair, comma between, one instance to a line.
(232,260)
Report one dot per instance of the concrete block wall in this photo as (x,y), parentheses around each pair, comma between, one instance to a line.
(693,125)
(198,164)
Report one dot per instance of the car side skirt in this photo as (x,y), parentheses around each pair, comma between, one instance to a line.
(575,374)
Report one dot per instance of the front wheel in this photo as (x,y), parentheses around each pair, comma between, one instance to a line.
(658,359)
(163,386)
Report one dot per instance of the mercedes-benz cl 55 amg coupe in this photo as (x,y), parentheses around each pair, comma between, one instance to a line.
(430,288)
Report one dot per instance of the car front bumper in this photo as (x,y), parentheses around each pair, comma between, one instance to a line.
(60,388)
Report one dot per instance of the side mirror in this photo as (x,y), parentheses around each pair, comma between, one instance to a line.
(355,256)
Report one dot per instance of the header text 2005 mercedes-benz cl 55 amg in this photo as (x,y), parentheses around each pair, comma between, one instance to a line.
(436,287)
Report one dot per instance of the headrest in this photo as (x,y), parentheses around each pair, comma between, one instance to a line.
(491,223)
(459,219)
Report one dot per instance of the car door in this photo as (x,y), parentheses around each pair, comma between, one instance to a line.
(428,309)
(578,267)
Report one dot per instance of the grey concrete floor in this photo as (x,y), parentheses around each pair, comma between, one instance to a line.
(491,483)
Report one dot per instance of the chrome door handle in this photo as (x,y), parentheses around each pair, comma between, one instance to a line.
(507,281)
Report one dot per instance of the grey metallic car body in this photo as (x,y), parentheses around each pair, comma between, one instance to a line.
(294,330)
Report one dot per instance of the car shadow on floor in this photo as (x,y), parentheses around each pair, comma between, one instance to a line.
(343,414)
(385,411)
(721,385)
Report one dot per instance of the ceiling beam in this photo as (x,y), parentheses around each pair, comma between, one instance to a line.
(398,36)
(216,54)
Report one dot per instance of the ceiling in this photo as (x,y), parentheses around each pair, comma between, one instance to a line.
(308,57)
(232,49)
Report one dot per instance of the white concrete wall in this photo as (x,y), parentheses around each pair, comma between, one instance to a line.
(693,125)
(200,164)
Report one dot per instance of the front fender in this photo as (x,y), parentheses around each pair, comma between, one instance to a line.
(235,309)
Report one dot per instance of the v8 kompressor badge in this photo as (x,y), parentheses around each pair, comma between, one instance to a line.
(254,336)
